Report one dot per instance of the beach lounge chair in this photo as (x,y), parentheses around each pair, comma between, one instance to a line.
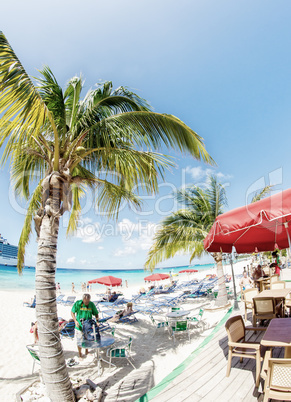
(237,345)
(60,298)
(158,324)
(180,327)
(33,351)
(70,301)
(31,305)
(278,381)
(122,351)
(68,330)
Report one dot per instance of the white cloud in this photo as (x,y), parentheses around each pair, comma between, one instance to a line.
(198,172)
(136,237)
(100,248)
(71,260)
(89,232)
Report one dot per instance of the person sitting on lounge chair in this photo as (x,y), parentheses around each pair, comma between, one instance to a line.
(122,313)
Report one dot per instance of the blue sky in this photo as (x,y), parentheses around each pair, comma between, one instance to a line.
(223,67)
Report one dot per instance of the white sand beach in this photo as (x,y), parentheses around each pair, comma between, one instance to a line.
(157,355)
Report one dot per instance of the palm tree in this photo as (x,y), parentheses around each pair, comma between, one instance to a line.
(185,230)
(58,145)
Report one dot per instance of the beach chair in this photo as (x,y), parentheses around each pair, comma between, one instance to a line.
(122,351)
(68,331)
(196,320)
(33,351)
(278,381)
(158,324)
(70,301)
(247,298)
(60,298)
(239,347)
(129,318)
(31,305)
(180,327)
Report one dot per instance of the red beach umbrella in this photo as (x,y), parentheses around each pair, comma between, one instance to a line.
(188,271)
(156,277)
(261,226)
(107,280)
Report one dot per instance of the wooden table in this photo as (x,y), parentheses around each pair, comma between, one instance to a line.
(278,334)
(262,281)
(275,293)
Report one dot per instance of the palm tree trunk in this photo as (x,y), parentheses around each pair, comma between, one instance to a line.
(222,293)
(53,366)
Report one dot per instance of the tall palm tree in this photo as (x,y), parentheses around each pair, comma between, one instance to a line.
(58,145)
(185,230)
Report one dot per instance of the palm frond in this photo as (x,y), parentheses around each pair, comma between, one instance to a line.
(23,110)
(77,193)
(259,195)
(151,130)
(34,205)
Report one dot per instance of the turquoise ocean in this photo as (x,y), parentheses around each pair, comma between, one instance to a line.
(10,279)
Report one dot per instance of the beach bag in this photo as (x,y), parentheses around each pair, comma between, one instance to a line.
(88,330)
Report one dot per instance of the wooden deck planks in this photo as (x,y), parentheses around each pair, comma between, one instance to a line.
(204,379)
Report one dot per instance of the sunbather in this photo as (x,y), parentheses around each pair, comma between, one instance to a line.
(122,313)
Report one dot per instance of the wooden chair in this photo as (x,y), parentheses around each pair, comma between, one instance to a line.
(278,381)
(247,298)
(264,309)
(273,279)
(278,285)
(239,347)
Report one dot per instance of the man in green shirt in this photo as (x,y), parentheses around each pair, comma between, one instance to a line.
(83,310)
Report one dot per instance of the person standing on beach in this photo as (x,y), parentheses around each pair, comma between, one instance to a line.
(73,288)
(83,310)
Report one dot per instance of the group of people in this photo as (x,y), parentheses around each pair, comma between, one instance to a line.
(247,282)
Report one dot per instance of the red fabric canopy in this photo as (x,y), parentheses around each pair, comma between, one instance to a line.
(261,226)
(188,270)
(107,280)
(157,277)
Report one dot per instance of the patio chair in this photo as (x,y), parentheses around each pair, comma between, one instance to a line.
(68,331)
(159,323)
(247,298)
(32,304)
(278,285)
(33,351)
(273,279)
(197,319)
(239,347)
(264,309)
(278,381)
(180,327)
(122,351)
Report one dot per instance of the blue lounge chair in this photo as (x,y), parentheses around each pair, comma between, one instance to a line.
(70,301)
(60,298)
(68,330)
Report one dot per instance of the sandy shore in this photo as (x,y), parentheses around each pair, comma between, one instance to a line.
(158,351)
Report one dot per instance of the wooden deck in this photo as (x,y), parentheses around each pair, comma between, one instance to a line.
(204,378)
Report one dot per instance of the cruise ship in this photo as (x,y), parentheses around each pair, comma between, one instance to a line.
(8,253)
